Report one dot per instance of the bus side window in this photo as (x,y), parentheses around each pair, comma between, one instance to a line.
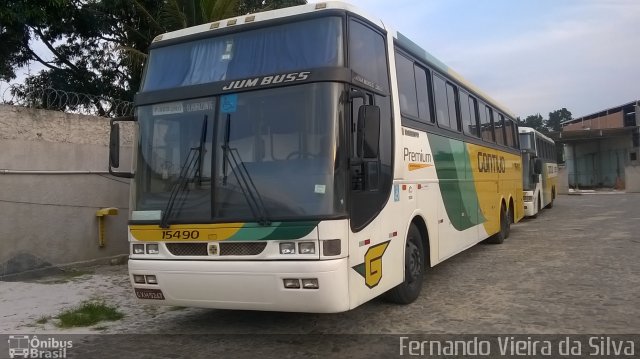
(440,94)
(508,131)
(406,86)
(488,127)
(498,126)
(452,103)
(424,94)
(473,111)
(468,114)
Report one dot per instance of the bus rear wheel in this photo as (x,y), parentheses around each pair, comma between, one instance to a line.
(409,290)
(505,227)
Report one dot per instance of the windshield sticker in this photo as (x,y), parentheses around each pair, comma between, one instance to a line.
(320,188)
(168,109)
(199,106)
(229,103)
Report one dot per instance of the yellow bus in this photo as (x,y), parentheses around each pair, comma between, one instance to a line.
(309,159)
(540,170)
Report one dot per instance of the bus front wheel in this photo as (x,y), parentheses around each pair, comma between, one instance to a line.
(409,290)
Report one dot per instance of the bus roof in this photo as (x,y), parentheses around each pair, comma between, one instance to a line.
(409,45)
(212,27)
(423,55)
(532,130)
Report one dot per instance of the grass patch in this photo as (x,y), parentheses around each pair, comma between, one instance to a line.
(87,314)
(42,320)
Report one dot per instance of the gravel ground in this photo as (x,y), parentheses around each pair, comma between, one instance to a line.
(574,269)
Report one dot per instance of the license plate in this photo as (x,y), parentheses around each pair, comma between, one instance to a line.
(143,293)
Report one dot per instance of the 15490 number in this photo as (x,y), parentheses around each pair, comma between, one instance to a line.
(180,234)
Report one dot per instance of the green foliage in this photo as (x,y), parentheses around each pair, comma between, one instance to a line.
(534,121)
(546,125)
(98,47)
(556,118)
(87,314)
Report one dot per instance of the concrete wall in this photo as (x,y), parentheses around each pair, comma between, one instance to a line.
(599,162)
(632,174)
(563,179)
(49,219)
(612,120)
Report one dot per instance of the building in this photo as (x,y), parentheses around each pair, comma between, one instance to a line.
(602,149)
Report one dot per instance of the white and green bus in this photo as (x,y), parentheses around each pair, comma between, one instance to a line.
(540,170)
(309,159)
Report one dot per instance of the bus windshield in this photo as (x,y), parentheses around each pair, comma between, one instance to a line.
(526,142)
(290,47)
(215,155)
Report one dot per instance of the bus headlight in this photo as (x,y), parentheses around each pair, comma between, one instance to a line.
(528,198)
(152,248)
(307,248)
(138,248)
(287,248)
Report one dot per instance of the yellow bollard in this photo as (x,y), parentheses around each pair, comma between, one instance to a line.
(101,213)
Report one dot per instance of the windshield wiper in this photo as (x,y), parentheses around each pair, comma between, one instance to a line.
(190,170)
(231,156)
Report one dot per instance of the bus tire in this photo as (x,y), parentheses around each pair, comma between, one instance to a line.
(553,196)
(414,265)
(509,221)
(502,234)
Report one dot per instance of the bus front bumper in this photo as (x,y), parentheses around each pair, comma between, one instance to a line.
(245,285)
(529,209)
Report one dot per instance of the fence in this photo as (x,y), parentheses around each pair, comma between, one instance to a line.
(59,100)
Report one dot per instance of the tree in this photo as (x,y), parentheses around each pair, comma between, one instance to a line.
(98,47)
(556,118)
(534,121)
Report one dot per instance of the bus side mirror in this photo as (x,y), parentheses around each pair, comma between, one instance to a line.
(114,146)
(368,136)
(537,166)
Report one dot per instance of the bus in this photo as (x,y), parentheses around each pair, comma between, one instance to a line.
(308,159)
(540,170)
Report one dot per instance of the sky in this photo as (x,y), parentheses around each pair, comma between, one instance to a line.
(533,56)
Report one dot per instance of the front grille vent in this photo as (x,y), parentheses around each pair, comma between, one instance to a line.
(188,249)
(226,249)
(242,248)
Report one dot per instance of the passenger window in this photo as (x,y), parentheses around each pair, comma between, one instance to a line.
(406,86)
(468,114)
(486,128)
(453,112)
(473,112)
(498,127)
(440,94)
(509,132)
(422,88)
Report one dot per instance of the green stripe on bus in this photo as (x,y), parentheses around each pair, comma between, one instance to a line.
(456,181)
(277,230)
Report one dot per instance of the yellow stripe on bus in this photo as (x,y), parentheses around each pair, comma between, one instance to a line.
(186,232)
